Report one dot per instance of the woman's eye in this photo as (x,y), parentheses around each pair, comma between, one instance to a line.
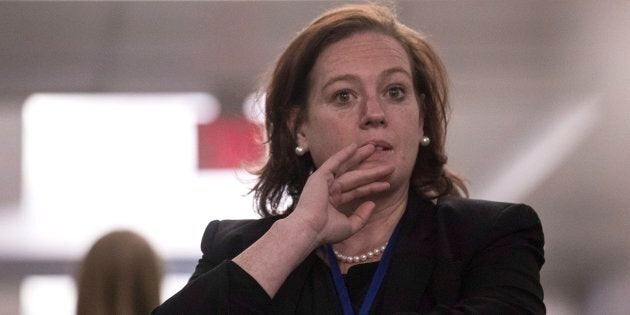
(396,93)
(343,96)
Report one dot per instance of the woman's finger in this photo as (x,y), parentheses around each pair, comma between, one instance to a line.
(332,165)
(359,218)
(355,159)
(359,192)
(357,178)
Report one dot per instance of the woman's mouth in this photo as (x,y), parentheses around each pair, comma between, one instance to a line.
(380,145)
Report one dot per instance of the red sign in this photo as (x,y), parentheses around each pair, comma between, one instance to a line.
(229,142)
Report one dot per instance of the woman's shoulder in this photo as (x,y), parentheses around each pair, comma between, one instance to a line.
(227,238)
(468,221)
(484,212)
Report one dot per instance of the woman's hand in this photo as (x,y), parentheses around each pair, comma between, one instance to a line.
(317,218)
(335,184)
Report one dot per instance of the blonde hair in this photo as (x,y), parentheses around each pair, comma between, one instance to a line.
(121,274)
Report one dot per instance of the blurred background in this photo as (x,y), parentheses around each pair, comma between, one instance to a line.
(139,115)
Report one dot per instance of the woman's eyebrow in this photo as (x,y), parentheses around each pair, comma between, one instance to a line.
(343,77)
(354,78)
(394,70)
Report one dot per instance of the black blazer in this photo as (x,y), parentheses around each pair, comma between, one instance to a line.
(458,256)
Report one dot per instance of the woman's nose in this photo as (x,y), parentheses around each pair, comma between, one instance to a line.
(373,114)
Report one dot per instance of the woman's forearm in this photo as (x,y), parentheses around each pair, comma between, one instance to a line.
(271,258)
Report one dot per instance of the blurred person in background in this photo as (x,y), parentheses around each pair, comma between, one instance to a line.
(360,213)
(121,274)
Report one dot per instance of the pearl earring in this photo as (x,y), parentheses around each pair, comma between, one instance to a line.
(299,151)
(425,141)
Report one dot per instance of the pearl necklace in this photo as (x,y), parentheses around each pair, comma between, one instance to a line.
(358,258)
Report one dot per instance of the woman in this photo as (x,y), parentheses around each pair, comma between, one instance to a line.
(120,274)
(356,121)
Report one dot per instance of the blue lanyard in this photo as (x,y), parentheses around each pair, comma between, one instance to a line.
(375,284)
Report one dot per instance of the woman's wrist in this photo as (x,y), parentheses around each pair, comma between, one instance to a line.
(300,233)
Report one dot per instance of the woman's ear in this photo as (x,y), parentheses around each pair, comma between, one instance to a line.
(300,139)
(298,130)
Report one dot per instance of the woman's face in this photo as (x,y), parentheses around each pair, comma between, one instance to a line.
(362,91)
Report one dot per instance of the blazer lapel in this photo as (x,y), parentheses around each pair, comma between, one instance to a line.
(413,261)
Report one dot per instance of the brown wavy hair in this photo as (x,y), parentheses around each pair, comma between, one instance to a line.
(284,174)
(121,274)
